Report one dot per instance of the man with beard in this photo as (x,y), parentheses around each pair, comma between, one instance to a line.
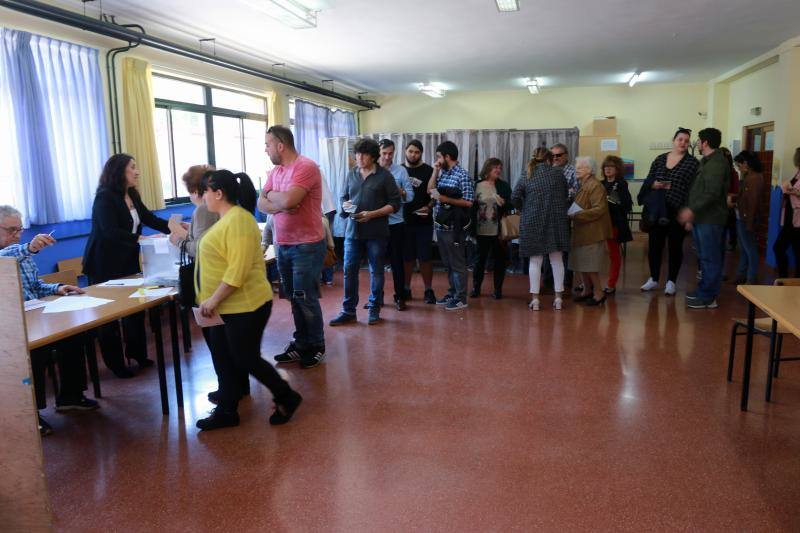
(293,195)
(419,222)
(396,222)
(452,188)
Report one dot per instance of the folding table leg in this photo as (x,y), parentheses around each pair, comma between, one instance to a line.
(91,362)
(748,354)
(186,330)
(155,322)
(176,353)
(771,361)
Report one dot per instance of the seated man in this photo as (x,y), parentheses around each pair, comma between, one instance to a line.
(69,351)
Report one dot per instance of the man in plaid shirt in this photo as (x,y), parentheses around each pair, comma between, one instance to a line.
(70,351)
(452,188)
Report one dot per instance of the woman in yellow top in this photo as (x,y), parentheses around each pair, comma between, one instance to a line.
(231,280)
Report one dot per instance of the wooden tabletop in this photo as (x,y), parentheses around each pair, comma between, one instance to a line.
(44,329)
(780,303)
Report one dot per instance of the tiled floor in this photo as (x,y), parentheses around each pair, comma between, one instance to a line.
(494,419)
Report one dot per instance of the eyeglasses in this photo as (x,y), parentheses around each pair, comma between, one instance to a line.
(558,155)
(13,229)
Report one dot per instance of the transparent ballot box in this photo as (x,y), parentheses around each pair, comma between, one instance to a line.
(160,261)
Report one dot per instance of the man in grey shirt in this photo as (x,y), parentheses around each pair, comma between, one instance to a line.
(370,196)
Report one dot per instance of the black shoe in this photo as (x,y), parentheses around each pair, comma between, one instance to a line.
(497,295)
(218,419)
(342,319)
(313,357)
(475,293)
(124,372)
(76,404)
(44,428)
(144,362)
(214,397)
(290,354)
(430,296)
(610,290)
(592,302)
(285,408)
(401,305)
(407,295)
(374,316)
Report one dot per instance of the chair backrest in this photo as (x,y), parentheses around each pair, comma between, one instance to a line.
(788,282)
(65,277)
(76,264)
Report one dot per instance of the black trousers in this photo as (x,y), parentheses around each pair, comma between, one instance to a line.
(71,360)
(236,348)
(789,237)
(396,239)
(499,253)
(244,376)
(133,331)
(672,234)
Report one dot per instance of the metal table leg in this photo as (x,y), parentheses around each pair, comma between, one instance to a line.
(176,353)
(155,323)
(748,354)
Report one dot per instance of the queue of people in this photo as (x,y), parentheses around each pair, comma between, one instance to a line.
(573,217)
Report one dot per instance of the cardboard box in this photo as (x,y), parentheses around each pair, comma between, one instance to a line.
(599,147)
(604,127)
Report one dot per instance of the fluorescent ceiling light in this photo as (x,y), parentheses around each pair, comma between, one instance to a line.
(504,6)
(431,90)
(634,78)
(532,84)
(288,12)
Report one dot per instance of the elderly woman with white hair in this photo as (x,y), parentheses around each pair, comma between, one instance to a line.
(591,227)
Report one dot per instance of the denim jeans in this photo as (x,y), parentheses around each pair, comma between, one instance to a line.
(748,252)
(354,251)
(300,266)
(709,237)
(454,257)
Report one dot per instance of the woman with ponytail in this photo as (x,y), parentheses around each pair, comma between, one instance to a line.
(231,282)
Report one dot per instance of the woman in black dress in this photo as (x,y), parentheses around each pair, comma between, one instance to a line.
(112,252)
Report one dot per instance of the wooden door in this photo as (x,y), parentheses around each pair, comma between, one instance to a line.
(759,138)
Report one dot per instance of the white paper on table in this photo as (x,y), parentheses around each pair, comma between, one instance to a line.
(151,293)
(574,208)
(30,305)
(74,303)
(161,246)
(608,145)
(206,322)
(134,282)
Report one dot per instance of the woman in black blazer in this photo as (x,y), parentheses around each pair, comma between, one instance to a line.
(112,251)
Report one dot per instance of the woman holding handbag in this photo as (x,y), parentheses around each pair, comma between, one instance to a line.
(619,205)
(492,197)
(543,198)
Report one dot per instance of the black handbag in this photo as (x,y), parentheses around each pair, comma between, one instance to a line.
(186,293)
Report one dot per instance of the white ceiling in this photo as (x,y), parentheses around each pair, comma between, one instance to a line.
(388,46)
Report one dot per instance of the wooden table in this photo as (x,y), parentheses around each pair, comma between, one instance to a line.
(44,329)
(782,304)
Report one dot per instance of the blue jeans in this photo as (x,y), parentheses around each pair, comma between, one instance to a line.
(300,267)
(708,238)
(354,251)
(748,252)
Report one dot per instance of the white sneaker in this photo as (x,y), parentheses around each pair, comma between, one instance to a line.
(669,290)
(534,305)
(557,304)
(649,285)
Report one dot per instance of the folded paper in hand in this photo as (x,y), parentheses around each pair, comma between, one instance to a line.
(573,209)
(206,322)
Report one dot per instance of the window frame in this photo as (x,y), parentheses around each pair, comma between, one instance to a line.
(209,111)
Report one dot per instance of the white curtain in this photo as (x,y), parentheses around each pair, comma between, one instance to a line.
(494,143)
(467,143)
(313,122)
(523,142)
(334,153)
(52,102)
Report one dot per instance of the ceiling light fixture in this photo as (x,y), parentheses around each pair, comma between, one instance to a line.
(288,12)
(532,84)
(431,90)
(634,78)
(506,6)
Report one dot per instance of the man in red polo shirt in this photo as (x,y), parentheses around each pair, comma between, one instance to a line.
(293,195)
